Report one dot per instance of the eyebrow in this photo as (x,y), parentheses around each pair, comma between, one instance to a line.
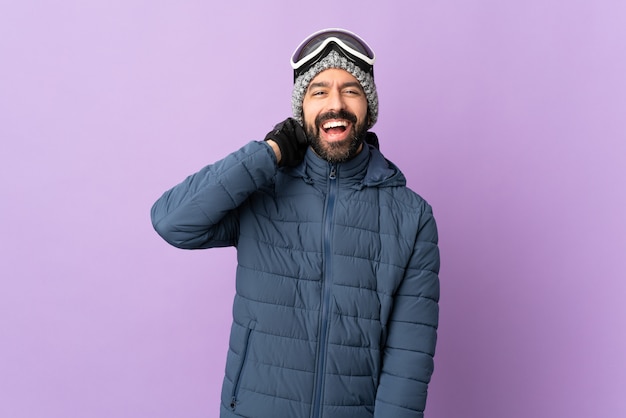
(327,84)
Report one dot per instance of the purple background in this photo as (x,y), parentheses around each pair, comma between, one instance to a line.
(508,117)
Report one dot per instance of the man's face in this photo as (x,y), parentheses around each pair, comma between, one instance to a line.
(335,115)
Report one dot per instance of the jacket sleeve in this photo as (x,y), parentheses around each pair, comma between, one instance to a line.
(201,212)
(412,330)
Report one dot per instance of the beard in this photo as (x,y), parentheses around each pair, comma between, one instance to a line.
(341,151)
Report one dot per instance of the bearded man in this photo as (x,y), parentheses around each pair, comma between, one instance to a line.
(337,289)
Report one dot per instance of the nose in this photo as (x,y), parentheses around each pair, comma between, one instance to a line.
(335,100)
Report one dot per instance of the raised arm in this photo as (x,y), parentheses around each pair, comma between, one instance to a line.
(200,212)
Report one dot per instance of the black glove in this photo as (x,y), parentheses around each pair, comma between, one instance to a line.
(292,141)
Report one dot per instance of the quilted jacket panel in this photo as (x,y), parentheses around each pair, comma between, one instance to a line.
(337,287)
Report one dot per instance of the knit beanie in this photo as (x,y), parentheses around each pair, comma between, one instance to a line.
(335,60)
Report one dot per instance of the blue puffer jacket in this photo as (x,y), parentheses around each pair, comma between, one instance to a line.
(337,288)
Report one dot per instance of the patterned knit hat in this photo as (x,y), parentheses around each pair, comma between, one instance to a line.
(333,48)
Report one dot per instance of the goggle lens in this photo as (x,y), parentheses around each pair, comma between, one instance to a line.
(347,41)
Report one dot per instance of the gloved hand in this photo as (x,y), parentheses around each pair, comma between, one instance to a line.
(292,141)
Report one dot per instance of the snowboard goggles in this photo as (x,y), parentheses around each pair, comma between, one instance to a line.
(317,45)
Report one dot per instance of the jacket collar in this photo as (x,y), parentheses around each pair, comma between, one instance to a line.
(368,168)
(352,171)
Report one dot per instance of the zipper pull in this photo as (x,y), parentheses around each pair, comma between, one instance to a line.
(333,172)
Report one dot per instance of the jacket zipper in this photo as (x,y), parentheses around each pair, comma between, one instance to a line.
(233,399)
(326,290)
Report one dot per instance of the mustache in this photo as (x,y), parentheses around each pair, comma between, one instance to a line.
(341,114)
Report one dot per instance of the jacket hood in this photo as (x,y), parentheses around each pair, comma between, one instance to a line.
(381,172)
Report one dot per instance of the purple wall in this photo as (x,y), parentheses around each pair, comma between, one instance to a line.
(509,119)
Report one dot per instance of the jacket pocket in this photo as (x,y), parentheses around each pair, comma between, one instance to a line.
(242,365)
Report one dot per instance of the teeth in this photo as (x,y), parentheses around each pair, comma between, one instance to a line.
(334,124)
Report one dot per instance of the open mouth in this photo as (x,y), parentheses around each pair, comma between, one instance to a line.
(335,127)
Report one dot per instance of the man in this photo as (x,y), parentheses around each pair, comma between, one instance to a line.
(336,308)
